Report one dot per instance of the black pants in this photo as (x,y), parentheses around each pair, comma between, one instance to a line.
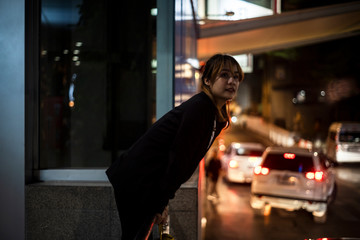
(136,216)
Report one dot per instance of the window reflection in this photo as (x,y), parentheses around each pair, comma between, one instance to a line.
(96,86)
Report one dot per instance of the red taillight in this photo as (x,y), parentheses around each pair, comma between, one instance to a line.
(318,175)
(289,156)
(261,170)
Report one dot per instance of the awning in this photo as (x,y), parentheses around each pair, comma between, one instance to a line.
(290,29)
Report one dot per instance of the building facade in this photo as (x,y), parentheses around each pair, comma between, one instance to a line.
(82,80)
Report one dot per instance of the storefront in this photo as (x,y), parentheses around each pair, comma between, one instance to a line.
(82,80)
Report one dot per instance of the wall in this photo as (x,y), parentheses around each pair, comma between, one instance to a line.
(12,207)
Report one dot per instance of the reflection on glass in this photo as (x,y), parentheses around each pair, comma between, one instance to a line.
(91,75)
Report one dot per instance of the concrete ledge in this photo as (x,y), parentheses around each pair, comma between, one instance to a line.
(64,210)
(184,210)
(87,210)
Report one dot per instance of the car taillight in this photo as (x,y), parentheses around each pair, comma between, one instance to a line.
(259,170)
(233,164)
(318,176)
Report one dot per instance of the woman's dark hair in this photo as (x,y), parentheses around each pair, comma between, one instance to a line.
(211,70)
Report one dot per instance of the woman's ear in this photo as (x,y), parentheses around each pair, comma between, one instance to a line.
(207,81)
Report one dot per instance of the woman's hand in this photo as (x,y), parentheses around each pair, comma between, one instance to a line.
(162,218)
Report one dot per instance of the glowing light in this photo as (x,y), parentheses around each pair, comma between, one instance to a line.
(264,171)
(193,62)
(318,176)
(257,170)
(261,170)
(301,96)
(233,164)
(234,119)
(222,148)
(289,155)
(203,222)
(197,75)
(154,12)
(153,63)
(267,210)
(71,104)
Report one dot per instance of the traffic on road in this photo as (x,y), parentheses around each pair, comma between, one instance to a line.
(233,216)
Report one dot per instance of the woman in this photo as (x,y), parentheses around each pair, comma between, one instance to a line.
(213,170)
(146,176)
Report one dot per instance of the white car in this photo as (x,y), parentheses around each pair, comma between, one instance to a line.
(293,179)
(343,142)
(240,159)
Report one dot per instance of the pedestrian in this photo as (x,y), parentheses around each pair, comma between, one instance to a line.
(148,174)
(213,170)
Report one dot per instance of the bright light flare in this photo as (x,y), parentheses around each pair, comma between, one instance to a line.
(222,148)
(261,170)
(234,119)
(318,175)
(267,210)
(233,164)
(203,222)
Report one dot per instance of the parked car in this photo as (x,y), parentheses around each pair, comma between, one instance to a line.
(240,159)
(293,179)
(343,142)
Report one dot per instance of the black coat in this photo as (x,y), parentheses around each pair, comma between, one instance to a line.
(168,153)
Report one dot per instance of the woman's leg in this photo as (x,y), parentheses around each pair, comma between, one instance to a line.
(135,217)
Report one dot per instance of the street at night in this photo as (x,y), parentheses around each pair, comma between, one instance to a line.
(231,216)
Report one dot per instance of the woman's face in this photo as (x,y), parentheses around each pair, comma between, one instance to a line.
(225,85)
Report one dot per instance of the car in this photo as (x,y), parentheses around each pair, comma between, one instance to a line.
(240,159)
(293,179)
(343,142)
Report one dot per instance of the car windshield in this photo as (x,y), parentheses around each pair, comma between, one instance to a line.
(350,137)
(295,164)
(249,152)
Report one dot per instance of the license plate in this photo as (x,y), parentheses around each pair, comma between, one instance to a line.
(287,180)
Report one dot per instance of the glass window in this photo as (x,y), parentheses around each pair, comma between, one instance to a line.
(186,81)
(97,85)
(297,164)
(353,137)
(249,152)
